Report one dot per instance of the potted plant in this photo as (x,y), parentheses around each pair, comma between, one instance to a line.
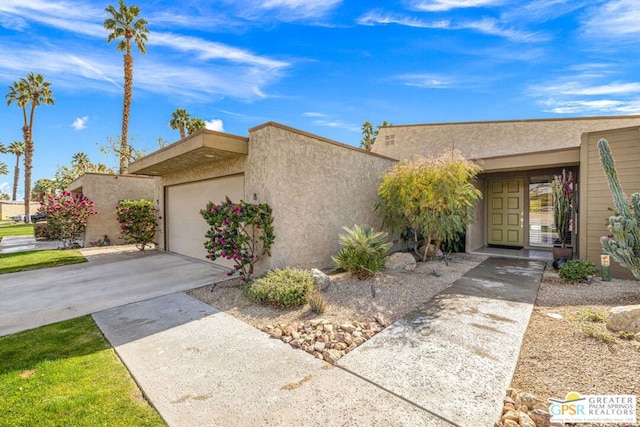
(563,193)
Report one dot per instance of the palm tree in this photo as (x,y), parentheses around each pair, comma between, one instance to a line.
(16,148)
(195,125)
(123,25)
(81,161)
(180,120)
(33,91)
(3,169)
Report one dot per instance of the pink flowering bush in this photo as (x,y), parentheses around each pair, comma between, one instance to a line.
(137,220)
(241,232)
(67,215)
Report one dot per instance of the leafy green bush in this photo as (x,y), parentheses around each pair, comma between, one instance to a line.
(364,252)
(137,220)
(289,287)
(42,230)
(576,270)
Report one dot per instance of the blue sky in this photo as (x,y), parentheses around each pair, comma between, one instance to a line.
(323,66)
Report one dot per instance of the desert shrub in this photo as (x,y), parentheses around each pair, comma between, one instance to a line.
(577,270)
(42,230)
(137,220)
(289,287)
(317,303)
(364,251)
(590,315)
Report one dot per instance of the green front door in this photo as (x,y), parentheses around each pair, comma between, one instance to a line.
(506,212)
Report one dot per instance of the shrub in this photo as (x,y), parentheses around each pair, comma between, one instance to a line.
(241,232)
(364,252)
(576,270)
(137,220)
(42,230)
(67,215)
(590,315)
(317,303)
(289,287)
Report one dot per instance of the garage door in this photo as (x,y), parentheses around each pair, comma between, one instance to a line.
(186,228)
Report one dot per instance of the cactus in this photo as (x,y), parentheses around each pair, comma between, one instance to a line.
(623,243)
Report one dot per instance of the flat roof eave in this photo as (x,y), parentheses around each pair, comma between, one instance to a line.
(203,147)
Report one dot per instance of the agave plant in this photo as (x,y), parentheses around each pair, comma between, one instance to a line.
(364,251)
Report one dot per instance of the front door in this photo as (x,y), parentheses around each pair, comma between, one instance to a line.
(506,212)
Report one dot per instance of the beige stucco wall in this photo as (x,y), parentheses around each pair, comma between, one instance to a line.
(596,197)
(106,191)
(479,140)
(315,187)
(216,169)
(9,208)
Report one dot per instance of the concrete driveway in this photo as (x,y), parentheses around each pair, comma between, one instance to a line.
(34,298)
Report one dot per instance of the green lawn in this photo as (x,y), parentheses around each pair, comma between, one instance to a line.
(66,374)
(34,260)
(16,230)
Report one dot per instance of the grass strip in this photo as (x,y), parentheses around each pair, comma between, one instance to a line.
(34,260)
(66,374)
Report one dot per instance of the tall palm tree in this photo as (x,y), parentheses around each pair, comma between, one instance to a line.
(29,92)
(17,148)
(3,167)
(123,25)
(81,161)
(180,120)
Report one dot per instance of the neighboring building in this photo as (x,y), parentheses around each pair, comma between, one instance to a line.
(106,190)
(519,159)
(9,209)
(314,186)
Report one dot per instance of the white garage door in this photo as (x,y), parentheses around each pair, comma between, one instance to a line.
(186,228)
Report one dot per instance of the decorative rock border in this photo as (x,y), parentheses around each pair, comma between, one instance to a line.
(524,410)
(324,339)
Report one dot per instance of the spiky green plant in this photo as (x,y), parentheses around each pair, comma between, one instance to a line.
(364,252)
(623,243)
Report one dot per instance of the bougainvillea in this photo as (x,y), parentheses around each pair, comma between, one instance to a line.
(137,220)
(67,215)
(241,232)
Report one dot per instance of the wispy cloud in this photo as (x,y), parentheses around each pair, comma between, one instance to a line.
(489,26)
(380,18)
(587,93)
(80,123)
(619,19)
(313,114)
(215,124)
(351,127)
(445,5)
(427,80)
(539,11)
(300,9)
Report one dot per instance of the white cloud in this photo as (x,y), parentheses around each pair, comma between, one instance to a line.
(575,88)
(80,123)
(427,80)
(489,26)
(337,124)
(618,19)
(215,124)
(445,5)
(376,17)
(300,9)
(313,114)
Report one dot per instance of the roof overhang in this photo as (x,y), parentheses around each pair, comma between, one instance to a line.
(527,161)
(203,147)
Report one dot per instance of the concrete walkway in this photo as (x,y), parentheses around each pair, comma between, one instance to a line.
(12,244)
(447,364)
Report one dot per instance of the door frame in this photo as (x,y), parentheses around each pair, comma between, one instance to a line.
(527,174)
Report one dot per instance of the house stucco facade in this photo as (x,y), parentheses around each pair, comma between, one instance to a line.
(106,190)
(315,187)
(519,160)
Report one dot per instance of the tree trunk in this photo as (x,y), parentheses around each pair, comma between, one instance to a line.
(126,108)
(28,163)
(16,178)
(182,135)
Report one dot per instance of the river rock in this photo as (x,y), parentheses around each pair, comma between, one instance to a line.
(320,279)
(625,318)
(401,261)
